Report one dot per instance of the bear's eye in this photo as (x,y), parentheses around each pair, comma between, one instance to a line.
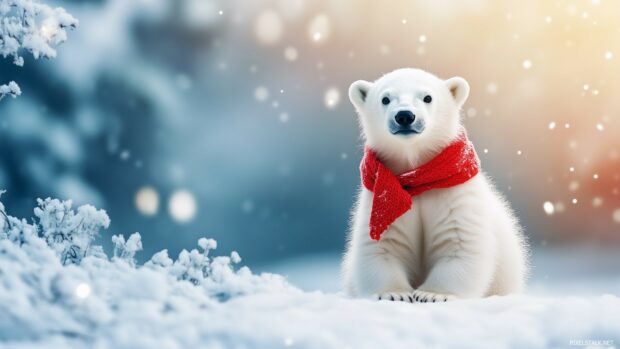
(428,99)
(385,101)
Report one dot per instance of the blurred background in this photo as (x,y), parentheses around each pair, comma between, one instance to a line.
(230,119)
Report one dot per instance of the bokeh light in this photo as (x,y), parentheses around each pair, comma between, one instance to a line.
(269,27)
(332,98)
(147,201)
(319,28)
(182,206)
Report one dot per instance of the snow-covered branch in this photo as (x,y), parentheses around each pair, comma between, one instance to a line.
(29,25)
(10,89)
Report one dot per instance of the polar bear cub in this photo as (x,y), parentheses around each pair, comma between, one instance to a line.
(457,242)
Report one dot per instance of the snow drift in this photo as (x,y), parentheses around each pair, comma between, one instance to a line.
(58,289)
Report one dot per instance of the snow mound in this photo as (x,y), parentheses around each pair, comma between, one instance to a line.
(58,290)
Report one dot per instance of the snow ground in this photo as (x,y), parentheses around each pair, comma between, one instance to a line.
(316,320)
(64,292)
(572,297)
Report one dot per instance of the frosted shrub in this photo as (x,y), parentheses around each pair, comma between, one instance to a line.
(60,289)
(29,25)
(60,232)
(194,265)
(126,250)
(15,230)
(198,268)
(67,232)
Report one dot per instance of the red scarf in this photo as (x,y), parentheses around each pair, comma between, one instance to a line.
(456,164)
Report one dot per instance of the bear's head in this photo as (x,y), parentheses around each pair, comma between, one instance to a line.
(409,115)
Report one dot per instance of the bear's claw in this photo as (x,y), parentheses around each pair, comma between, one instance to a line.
(431,297)
(395,296)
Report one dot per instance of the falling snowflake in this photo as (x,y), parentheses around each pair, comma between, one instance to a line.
(548,208)
(492,88)
(247,206)
(319,28)
(332,98)
(283,117)
(261,93)
(384,50)
(527,64)
(290,54)
(573,186)
(268,27)
(125,155)
(616,215)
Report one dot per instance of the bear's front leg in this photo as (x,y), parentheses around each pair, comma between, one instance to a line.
(373,272)
(461,265)
(371,268)
(387,279)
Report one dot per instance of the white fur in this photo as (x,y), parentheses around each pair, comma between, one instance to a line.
(459,242)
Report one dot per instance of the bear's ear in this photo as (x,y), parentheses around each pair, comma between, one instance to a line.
(459,88)
(358,91)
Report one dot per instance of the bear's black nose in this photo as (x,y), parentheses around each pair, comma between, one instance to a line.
(404,118)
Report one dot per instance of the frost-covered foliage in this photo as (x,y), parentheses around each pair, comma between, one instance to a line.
(67,232)
(126,250)
(11,89)
(198,268)
(29,25)
(55,284)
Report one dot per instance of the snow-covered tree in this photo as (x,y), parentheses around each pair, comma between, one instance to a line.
(83,110)
(29,25)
